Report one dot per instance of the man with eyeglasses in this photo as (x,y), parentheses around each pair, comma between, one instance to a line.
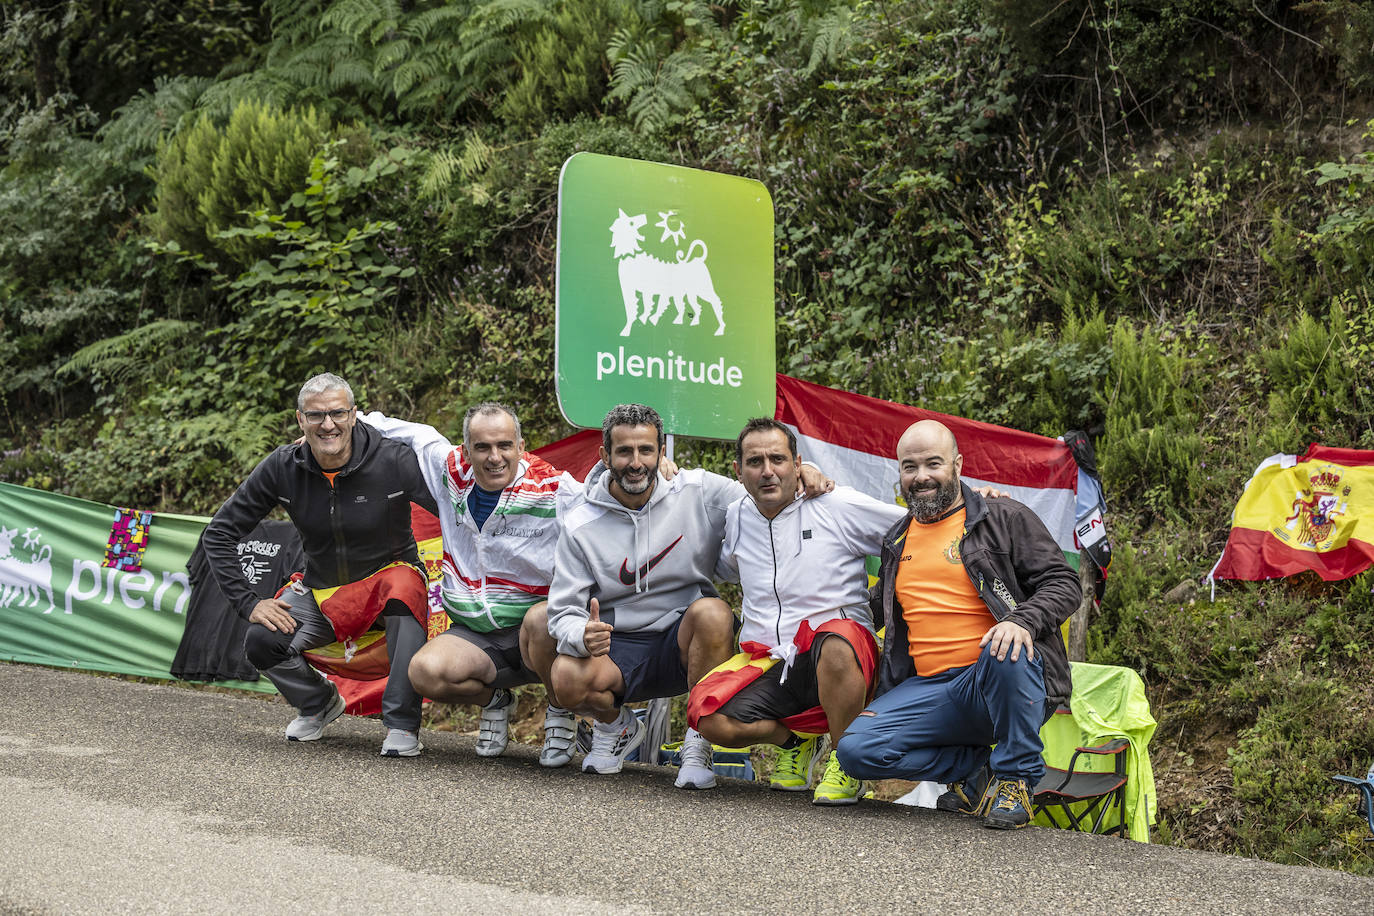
(348,491)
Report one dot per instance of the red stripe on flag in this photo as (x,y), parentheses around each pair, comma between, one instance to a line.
(1252,554)
(576,454)
(423,523)
(1346,457)
(870,425)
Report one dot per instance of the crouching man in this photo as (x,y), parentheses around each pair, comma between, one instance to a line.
(348,492)
(807,654)
(973,593)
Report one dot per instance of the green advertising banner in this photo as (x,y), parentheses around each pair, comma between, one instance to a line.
(664,294)
(62,605)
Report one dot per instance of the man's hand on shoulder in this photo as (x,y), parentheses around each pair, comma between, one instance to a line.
(813,481)
(1007,635)
(596,638)
(991,492)
(274,614)
(667,467)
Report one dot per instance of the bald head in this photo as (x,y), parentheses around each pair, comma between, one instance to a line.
(928,434)
(928,462)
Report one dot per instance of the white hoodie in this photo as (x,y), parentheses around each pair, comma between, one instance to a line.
(643,566)
(807,563)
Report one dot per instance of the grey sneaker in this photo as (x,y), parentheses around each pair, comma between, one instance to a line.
(560,734)
(612,743)
(695,770)
(494,732)
(310,728)
(401,743)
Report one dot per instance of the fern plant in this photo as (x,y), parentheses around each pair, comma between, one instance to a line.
(134,357)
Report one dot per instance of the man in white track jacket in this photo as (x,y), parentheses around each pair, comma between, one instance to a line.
(807,653)
(497,513)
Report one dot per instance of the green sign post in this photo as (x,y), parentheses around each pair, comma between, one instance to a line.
(664,294)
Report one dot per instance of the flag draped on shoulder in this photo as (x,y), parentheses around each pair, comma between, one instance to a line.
(1313,511)
(853,438)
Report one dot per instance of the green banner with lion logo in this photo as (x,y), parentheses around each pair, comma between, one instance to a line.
(85,585)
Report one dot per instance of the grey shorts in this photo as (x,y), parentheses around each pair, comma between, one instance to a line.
(503,648)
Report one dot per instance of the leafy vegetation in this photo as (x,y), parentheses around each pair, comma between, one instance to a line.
(1148,220)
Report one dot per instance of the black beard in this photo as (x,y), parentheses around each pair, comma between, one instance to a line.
(929,508)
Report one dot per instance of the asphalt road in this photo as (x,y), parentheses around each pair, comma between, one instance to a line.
(134,798)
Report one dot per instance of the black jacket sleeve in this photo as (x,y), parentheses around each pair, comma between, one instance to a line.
(414,481)
(1050,585)
(239,515)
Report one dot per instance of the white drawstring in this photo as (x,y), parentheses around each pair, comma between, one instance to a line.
(787,655)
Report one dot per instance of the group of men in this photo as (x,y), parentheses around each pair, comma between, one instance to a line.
(604,592)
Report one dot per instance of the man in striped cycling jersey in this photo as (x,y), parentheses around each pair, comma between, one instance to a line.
(497,508)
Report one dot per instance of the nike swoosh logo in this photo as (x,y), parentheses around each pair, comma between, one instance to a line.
(627,577)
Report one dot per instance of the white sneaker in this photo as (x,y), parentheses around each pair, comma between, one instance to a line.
(401,743)
(560,734)
(494,732)
(309,728)
(612,743)
(695,770)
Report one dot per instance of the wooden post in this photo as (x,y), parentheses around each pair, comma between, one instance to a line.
(1078,623)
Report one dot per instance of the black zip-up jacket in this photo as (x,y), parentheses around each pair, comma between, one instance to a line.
(348,530)
(1019,572)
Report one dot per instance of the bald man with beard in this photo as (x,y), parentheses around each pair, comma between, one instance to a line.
(973,593)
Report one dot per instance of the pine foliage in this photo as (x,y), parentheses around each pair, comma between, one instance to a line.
(208,175)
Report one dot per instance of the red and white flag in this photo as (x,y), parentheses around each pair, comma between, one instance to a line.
(853,438)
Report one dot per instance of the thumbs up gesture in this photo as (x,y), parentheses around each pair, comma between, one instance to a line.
(597,636)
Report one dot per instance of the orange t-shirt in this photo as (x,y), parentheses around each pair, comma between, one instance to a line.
(945,618)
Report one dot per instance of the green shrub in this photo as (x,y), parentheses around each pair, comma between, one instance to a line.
(324,292)
(1320,378)
(1046,381)
(1153,447)
(209,175)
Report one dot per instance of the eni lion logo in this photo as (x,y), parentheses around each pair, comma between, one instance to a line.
(1317,507)
(684,282)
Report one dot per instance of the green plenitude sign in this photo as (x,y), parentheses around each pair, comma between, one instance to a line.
(664,295)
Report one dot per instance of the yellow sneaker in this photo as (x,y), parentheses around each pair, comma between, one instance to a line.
(792,768)
(837,787)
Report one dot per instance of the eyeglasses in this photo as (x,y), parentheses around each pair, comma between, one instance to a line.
(316,417)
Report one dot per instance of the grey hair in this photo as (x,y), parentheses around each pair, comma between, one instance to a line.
(630,415)
(319,384)
(487,408)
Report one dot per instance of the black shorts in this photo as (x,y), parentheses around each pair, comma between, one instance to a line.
(503,648)
(650,663)
(768,698)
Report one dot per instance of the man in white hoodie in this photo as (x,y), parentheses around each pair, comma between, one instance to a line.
(808,656)
(632,612)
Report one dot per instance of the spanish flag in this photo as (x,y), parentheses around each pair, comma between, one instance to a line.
(359,668)
(1309,512)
